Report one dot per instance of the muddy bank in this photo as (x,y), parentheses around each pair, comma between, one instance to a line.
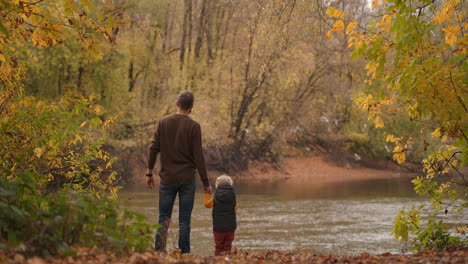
(299,169)
(317,169)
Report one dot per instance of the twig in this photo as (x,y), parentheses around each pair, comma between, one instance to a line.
(61,168)
(400,115)
(34,3)
(456,169)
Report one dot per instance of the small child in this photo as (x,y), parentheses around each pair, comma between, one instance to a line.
(224,214)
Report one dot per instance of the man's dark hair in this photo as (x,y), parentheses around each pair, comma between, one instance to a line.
(185,100)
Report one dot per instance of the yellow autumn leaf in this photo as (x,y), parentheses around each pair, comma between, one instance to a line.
(451,34)
(34,37)
(439,19)
(42,43)
(351,26)
(436,133)
(375,3)
(399,157)
(328,34)
(338,26)
(387,101)
(378,122)
(371,68)
(83,124)
(40,104)
(444,138)
(462,47)
(332,12)
(98,109)
(352,41)
(392,138)
(386,22)
(398,148)
(451,147)
(38,152)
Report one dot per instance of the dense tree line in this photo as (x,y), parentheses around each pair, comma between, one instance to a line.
(263,72)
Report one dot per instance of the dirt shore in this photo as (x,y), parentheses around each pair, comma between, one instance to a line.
(301,169)
(314,168)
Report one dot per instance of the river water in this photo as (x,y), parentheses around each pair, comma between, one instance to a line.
(341,218)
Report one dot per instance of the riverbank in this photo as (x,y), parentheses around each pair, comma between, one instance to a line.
(319,169)
(86,256)
(306,169)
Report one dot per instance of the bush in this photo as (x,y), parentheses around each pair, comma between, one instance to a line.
(59,142)
(362,137)
(432,235)
(57,186)
(45,225)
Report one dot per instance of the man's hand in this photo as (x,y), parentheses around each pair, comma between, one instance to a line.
(207,189)
(150,182)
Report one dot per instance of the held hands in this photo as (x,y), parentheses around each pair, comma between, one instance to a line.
(207,190)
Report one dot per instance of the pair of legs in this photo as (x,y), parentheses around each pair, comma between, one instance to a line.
(223,242)
(167,195)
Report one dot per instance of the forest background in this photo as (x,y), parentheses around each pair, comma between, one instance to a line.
(264,74)
(86,81)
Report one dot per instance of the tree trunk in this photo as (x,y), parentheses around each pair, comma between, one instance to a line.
(80,78)
(185,26)
(201,28)
(59,81)
(207,29)
(131,79)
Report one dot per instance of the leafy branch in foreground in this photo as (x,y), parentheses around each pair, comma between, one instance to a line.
(57,186)
(61,143)
(416,53)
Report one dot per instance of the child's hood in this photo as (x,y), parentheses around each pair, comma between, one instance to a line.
(225,194)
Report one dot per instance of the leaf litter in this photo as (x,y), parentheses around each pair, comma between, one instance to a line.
(95,256)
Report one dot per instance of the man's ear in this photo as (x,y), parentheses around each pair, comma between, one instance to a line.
(177,103)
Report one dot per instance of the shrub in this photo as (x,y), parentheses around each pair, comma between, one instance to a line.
(59,142)
(57,186)
(34,224)
(432,235)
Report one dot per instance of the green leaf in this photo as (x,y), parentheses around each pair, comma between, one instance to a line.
(4,30)
(357,53)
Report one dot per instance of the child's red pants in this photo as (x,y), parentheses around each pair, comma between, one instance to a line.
(223,242)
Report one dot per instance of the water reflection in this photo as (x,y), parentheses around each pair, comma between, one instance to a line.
(323,217)
(392,187)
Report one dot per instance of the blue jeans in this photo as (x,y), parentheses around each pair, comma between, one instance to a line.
(167,195)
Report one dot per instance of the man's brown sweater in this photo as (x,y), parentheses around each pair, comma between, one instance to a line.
(178,138)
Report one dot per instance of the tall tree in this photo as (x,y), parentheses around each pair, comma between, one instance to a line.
(417,68)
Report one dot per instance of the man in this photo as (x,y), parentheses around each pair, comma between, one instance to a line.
(178,138)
